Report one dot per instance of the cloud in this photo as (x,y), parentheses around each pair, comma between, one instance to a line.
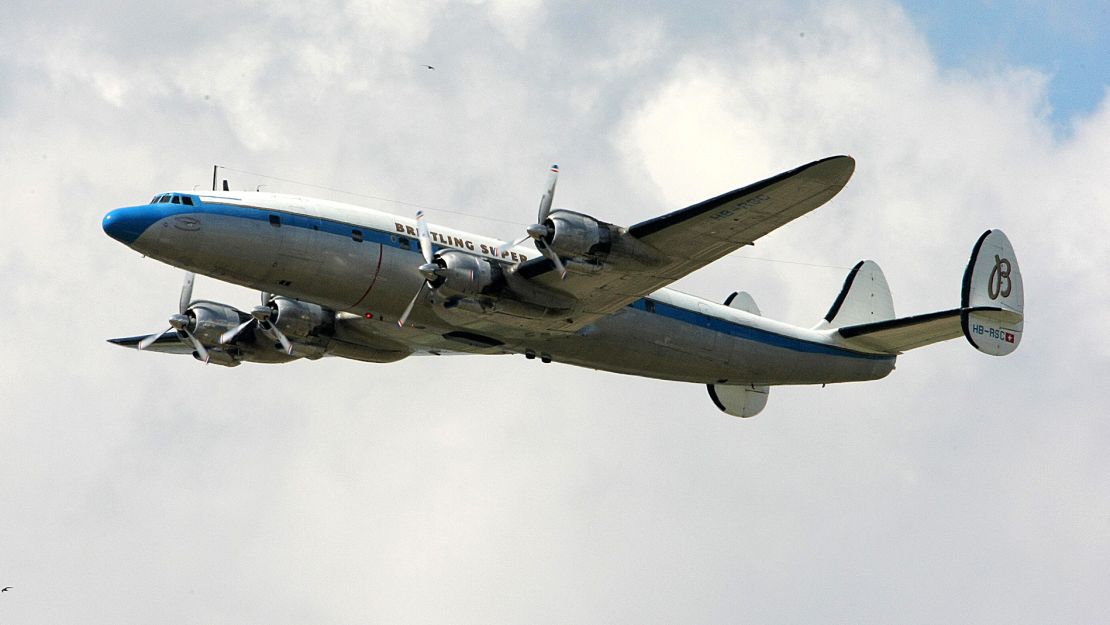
(143,486)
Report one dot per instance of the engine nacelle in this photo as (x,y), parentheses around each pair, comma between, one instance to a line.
(208,320)
(577,236)
(465,274)
(301,320)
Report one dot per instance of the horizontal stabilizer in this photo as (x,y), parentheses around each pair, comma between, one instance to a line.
(899,335)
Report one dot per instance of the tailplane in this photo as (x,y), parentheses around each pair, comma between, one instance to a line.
(990,316)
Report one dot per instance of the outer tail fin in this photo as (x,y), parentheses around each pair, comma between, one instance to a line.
(864,298)
(992,306)
(990,315)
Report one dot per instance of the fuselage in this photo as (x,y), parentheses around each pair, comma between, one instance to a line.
(365,262)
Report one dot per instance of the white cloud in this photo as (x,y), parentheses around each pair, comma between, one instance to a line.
(146,487)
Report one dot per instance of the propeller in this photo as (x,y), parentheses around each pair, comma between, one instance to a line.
(260,317)
(180,321)
(429,269)
(539,230)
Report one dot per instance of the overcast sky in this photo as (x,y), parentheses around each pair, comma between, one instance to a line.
(147,488)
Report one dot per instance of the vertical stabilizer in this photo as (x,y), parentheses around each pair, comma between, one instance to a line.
(993,298)
(865,298)
(742,300)
(741,400)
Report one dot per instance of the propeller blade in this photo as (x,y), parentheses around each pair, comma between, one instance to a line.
(152,339)
(231,334)
(553,257)
(277,334)
(197,345)
(405,316)
(261,315)
(425,237)
(186,292)
(266,297)
(549,194)
(505,246)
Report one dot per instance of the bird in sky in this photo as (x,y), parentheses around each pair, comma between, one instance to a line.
(428,67)
(6,588)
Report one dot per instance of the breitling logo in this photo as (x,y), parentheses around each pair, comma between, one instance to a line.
(463,244)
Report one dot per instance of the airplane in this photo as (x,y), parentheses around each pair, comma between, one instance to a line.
(353,282)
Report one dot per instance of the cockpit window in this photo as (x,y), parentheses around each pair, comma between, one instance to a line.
(173,198)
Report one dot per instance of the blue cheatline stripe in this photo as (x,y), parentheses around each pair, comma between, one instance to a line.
(731,328)
(330,226)
(128,224)
(295,220)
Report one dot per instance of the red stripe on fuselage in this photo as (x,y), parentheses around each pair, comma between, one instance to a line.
(377,272)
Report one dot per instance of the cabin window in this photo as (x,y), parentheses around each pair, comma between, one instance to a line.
(185,199)
(649,305)
(404,243)
(175,199)
(154,200)
(164,199)
(275,221)
(356,235)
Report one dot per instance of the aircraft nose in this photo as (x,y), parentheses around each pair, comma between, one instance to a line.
(128,224)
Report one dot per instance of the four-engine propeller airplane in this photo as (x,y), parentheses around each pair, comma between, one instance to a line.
(342,280)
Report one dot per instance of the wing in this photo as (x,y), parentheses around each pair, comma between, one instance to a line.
(695,236)
(167,343)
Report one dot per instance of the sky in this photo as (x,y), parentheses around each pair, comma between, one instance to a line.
(149,488)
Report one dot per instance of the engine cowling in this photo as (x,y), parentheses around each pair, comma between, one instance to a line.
(301,320)
(464,274)
(208,320)
(577,236)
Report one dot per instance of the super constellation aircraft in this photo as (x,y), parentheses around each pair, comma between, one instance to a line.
(342,280)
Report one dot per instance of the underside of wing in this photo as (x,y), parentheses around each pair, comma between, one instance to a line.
(167,343)
(688,239)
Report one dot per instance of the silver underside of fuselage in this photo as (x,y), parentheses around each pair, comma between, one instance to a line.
(370,270)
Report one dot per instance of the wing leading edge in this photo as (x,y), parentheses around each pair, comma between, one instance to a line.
(741,216)
(697,235)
